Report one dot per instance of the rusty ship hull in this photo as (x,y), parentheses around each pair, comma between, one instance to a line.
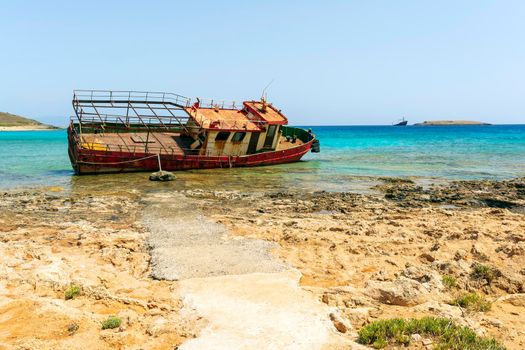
(90,161)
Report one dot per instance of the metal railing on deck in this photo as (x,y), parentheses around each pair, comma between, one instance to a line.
(123,123)
(120,111)
(143,96)
(213,103)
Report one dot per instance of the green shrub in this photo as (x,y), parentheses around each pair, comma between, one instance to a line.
(380,343)
(480,271)
(72,292)
(111,322)
(472,302)
(445,333)
(449,281)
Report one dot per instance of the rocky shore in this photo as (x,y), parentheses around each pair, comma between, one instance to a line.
(407,252)
(328,263)
(51,241)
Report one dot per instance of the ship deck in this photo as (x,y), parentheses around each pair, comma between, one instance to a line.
(139,142)
(284,144)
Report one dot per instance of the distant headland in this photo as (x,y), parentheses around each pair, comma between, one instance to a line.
(450,122)
(13,122)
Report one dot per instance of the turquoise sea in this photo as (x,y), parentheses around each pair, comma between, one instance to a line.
(350,157)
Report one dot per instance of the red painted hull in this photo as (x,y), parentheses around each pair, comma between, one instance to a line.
(88,161)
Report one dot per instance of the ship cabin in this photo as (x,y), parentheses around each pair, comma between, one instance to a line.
(256,127)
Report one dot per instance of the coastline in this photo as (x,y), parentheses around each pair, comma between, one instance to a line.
(29,128)
(450,123)
(353,258)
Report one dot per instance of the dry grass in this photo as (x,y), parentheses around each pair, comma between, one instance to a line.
(8,119)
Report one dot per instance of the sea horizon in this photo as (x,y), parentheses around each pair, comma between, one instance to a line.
(323,125)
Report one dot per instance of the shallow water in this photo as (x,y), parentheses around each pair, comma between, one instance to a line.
(351,158)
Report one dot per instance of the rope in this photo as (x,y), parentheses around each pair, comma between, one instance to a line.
(158,158)
(115,163)
(138,159)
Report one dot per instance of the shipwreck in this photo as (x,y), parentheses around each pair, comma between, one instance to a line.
(123,131)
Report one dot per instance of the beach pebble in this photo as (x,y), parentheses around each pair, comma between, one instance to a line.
(340,324)
(415,337)
(427,341)
(494,322)
(460,255)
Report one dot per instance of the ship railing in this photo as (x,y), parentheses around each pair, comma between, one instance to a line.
(138,96)
(126,122)
(116,122)
(148,108)
(149,97)
(221,104)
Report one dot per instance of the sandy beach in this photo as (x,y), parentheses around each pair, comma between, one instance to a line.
(199,269)
(28,128)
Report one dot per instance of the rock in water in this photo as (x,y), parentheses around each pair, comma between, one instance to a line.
(162,176)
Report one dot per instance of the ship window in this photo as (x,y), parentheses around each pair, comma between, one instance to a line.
(222,136)
(238,136)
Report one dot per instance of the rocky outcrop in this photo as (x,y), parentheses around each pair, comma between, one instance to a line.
(403,291)
(509,194)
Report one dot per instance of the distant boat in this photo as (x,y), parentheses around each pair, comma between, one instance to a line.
(402,122)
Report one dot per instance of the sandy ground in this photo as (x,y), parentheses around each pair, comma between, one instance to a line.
(294,270)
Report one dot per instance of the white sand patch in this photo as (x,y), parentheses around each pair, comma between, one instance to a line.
(184,244)
(258,311)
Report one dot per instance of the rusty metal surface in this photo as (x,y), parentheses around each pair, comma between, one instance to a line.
(224,119)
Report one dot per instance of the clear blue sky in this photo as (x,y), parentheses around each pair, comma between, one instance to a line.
(333,62)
